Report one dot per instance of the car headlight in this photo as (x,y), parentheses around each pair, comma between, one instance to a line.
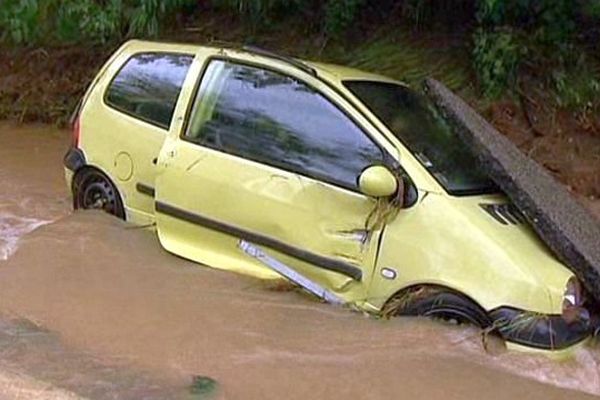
(573,301)
(573,296)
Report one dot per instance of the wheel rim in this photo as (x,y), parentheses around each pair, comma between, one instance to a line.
(449,314)
(99,195)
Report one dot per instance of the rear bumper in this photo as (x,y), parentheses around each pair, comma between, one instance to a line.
(74,159)
(540,331)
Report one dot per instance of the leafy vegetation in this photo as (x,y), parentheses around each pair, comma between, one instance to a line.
(18,20)
(511,38)
(517,37)
(27,22)
(339,15)
(258,11)
(496,57)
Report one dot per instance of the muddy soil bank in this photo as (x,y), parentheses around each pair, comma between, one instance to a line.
(109,290)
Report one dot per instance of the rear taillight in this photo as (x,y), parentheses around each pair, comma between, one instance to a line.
(76,133)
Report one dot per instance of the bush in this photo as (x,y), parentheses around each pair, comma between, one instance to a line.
(545,34)
(574,80)
(19,21)
(148,15)
(340,14)
(87,20)
(259,11)
(496,57)
(34,21)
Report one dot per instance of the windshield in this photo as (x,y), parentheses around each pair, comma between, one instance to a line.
(416,122)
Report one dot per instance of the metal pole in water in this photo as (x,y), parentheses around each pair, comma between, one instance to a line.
(289,273)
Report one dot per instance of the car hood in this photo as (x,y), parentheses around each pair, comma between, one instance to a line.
(521,249)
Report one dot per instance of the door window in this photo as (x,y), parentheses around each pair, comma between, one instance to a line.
(148,86)
(277,120)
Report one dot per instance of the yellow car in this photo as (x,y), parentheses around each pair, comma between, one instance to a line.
(345,182)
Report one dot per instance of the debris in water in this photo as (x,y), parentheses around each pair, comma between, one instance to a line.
(203,386)
(290,273)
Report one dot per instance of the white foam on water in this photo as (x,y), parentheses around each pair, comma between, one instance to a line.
(12,229)
(580,372)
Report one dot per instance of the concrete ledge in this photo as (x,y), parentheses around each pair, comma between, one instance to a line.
(568,229)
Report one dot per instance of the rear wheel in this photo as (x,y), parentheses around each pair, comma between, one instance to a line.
(437,303)
(92,190)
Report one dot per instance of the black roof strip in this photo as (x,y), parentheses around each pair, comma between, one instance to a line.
(290,60)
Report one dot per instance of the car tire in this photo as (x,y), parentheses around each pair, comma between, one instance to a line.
(437,303)
(93,190)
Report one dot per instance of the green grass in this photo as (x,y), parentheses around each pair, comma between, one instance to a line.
(411,58)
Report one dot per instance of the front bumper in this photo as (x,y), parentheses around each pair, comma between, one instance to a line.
(540,331)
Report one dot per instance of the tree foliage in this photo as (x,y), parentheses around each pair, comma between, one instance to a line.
(542,35)
(340,14)
(25,22)
(259,11)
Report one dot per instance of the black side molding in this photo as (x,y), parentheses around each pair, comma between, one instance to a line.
(261,240)
(145,189)
(74,159)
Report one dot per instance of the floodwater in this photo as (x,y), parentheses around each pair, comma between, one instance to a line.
(91,307)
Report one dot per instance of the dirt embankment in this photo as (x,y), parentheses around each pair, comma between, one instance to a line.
(43,85)
(565,142)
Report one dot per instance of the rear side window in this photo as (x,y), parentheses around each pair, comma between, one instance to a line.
(148,86)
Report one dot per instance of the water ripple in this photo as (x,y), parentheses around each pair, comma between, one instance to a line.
(12,229)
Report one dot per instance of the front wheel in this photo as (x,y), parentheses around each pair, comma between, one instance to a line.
(437,303)
(92,190)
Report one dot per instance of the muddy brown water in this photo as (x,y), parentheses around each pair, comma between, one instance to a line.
(112,307)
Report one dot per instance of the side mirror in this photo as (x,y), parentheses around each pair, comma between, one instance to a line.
(377,181)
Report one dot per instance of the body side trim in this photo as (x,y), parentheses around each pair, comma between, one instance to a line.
(261,240)
(145,189)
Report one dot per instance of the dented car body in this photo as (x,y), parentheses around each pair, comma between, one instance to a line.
(350,181)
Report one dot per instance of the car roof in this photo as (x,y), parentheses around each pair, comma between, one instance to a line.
(331,71)
(348,74)
(134,46)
